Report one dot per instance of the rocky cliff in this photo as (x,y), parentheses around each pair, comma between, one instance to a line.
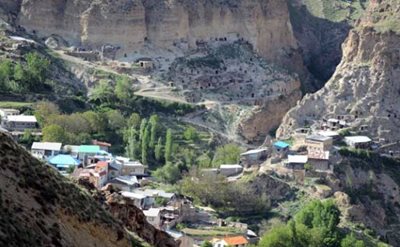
(365,84)
(131,24)
(39,207)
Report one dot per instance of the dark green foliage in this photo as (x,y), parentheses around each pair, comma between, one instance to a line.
(168,146)
(154,119)
(314,225)
(206,244)
(145,145)
(168,174)
(158,150)
(190,134)
(227,154)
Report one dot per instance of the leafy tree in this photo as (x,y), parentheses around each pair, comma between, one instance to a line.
(44,109)
(351,241)
(203,161)
(95,120)
(143,126)
(169,173)
(133,144)
(145,141)
(37,68)
(227,154)
(168,146)
(154,119)
(6,72)
(123,89)
(27,138)
(115,120)
(134,120)
(102,93)
(54,133)
(206,244)
(158,150)
(190,134)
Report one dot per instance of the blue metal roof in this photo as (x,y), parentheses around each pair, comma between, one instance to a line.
(64,160)
(281,144)
(89,149)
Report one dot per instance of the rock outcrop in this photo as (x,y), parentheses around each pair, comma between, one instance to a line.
(365,84)
(39,207)
(131,24)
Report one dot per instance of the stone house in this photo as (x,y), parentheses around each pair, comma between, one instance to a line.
(253,157)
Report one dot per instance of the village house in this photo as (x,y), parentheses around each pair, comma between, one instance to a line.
(232,241)
(85,151)
(296,162)
(230,170)
(363,142)
(253,157)
(100,174)
(103,145)
(125,183)
(44,150)
(139,200)
(153,216)
(19,122)
(145,63)
(281,148)
(319,163)
(63,162)
(318,144)
(8,112)
(133,168)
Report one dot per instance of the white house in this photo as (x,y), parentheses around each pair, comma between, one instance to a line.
(233,241)
(153,216)
(19,122)
(296,162)
(358,141)
(125,183)
(43,150)
(8,112)
(133,168)
(230,170)
(138,199)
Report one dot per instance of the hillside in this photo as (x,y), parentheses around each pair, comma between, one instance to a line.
(39,207)
(364,86)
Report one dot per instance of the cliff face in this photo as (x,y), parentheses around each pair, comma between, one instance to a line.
(39,207)
(132,23)
(365,83)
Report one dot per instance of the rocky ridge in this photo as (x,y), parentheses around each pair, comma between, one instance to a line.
(41,208)
(364,86)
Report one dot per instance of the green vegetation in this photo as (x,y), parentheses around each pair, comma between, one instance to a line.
(314,225)
(227,198)
(227,154)
(14,104)
(30,76)
(337,10)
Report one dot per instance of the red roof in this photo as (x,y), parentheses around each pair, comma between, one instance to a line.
(100,143)
(236,240)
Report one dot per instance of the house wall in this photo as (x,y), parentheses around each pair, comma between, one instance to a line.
(18,126)
(127,170)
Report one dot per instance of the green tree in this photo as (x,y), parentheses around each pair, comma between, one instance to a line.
(115,120)
(54,133)
(168,146)
(227,154)
(44,109)
(351,241)
(37,69)
(133,144)
(143,126)
(203,161)
(145,141)
(158,150)
(6,73)
(206,244)
(134,120)
(154,119)
(123,89)
(169,173)
(102,93)
(95,120)
(190,134)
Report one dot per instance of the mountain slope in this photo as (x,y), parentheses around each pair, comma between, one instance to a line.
(365,84)
(39,207)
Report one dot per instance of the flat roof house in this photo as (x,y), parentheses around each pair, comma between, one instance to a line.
(318,144)
(296,162)
(133,168)
(230,170)
(44,150)
(153,216)
(253,157)
(125,183)
(358,141)
(84,151)
(8,112)
(19,122)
